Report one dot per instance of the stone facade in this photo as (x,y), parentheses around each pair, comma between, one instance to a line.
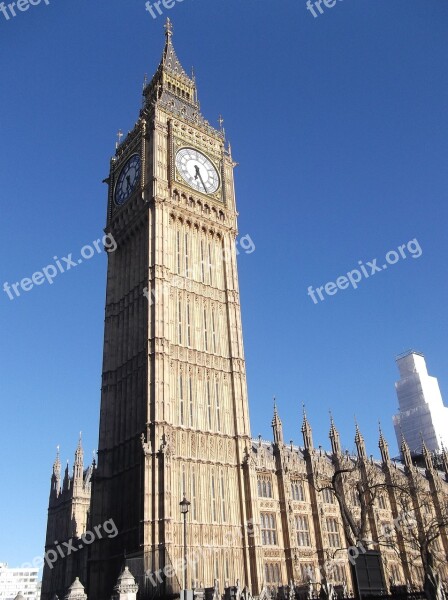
(295,530)
(174,415)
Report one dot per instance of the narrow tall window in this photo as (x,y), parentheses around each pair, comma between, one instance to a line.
(268,529)
(193,496)
(210,266)
(213,331)
(303,531)
(178,252)
(307,571)
(188,324)
(213,498)
(297,491)
(187,262)
(183,482)
(202,262)
(264,486)
(334,539)
(272,573)
(218,407)
(223,499)
(190,394)
(277,572)
(205,331)
(209,405)
(181,400)
(216,566)
(328,496)
(179,321)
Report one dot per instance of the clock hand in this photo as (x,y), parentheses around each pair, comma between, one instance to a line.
(198,174)
(203,184)
(128,181)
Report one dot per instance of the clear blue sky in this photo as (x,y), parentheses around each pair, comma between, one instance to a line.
(339,125)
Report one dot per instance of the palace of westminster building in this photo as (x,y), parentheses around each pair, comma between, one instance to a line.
(174,417)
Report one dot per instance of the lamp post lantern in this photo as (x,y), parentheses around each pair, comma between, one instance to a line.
(184,508)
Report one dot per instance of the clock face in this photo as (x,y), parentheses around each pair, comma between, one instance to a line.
(197,170)
(128,180)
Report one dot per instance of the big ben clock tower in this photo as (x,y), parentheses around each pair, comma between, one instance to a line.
(174,419)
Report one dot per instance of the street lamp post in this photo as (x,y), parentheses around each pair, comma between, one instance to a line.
(184,507)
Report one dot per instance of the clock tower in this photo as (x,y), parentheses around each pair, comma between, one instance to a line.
(174,419)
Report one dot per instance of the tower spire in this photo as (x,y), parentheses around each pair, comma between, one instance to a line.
(170,79)
(78,467)
(405,451)
(56,475)
(360,444)
(277,426)
(426,455)
(383,446)
(334,438)
(57,463)
(307,432)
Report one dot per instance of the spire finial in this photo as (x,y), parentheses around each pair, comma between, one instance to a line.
(306,431)
(57,463)
(333,431)
(277,425)
(168,28)
(334,437)
(276,419)
(382,439)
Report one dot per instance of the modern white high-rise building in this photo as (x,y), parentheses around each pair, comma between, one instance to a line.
(422,414)
(21,579)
